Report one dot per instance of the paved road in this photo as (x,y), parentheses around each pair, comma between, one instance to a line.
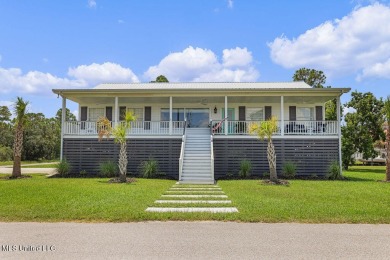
(195,240)
(8,170)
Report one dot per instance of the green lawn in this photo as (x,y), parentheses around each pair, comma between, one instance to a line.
(49,165)
(361,199)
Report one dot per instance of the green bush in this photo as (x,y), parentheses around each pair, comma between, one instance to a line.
(334,171)
(63,168)
(149,169)
(5,153)
(108,169)
(245,169)
(83,173)
(289,169)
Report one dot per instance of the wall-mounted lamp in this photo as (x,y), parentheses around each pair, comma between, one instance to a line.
(215,110)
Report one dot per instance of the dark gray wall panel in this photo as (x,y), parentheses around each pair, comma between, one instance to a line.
(312,156)
(87,154)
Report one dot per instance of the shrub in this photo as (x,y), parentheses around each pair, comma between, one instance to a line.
(334,171)
(108,169)
(5,153)
(63,168)
(83,173)
(245,169)
(289,170)
(149,169)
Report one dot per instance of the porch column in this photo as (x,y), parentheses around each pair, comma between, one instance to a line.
(170,115)
(282,115)
(338,125)
(116,109)
(63,118)
(226,116)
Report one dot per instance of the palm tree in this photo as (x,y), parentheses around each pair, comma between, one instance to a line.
(387,143)
(265,129)
(119,132)
(20,109)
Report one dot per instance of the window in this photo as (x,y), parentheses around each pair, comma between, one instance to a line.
(95,114)
(305,113)
(254,114)
(177,114)
(137,112)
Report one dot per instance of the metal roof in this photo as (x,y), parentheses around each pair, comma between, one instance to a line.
(204,86)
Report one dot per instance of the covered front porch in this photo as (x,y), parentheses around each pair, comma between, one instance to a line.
(224,115)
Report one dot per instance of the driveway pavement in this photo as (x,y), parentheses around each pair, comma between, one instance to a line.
(8,170)
(193,240)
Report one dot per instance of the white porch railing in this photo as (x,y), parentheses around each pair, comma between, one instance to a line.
(183,147)
(137,128)
(290,127)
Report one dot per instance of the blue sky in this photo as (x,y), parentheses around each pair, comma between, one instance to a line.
(78,44)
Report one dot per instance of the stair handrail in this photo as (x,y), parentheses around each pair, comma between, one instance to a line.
(183,146)
(218,125)
(212,156)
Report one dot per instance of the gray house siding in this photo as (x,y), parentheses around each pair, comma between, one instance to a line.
(312,156)
(87,153)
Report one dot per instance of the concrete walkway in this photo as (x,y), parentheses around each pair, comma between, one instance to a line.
(193,240)
(8,170)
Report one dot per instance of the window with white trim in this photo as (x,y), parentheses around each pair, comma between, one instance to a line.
(95,113)
(305,113)
(254,114)
(137,112)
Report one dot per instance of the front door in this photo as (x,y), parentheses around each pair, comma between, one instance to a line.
(198,117)
(230,118)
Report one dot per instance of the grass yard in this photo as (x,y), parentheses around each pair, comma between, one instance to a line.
(360,199)
(41,165)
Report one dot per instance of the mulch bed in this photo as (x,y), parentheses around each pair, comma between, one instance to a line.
(278,182)
(117,180)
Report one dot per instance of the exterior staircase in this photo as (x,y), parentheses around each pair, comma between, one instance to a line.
(197,157)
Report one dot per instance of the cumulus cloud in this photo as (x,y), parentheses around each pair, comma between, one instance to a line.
(357,42)
(107,72)
(197,64)
(91,3)
(230,4)
(13,79)
(37,82)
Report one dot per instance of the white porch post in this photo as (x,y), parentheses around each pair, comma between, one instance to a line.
(170,115)
(226,115)
(338,125)
(282,115)
(116,110)
(63,117)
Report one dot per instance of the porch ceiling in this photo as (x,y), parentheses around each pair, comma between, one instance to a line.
(202,99)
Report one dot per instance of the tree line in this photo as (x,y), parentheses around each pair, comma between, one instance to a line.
(41,135)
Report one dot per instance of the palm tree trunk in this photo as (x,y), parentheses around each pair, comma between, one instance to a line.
(271,156)
(122,162)
(18,145)
(387,146)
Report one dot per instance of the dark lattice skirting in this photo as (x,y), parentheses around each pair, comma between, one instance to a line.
(312,156)
(86,154)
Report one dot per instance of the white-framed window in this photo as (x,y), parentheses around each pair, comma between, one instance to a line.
(305,113)
(95,113)
(137,112)
(254,114)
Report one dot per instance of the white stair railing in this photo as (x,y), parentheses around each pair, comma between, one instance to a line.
(183,147)
(212,156)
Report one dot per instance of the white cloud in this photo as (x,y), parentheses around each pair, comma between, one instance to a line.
(107,72)
(13,79)
(357,42)
(197,64)
(91,3)
(381,70)
(36,82)
(237,57)
(230,4)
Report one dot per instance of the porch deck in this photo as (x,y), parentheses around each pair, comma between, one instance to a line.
(234,128)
